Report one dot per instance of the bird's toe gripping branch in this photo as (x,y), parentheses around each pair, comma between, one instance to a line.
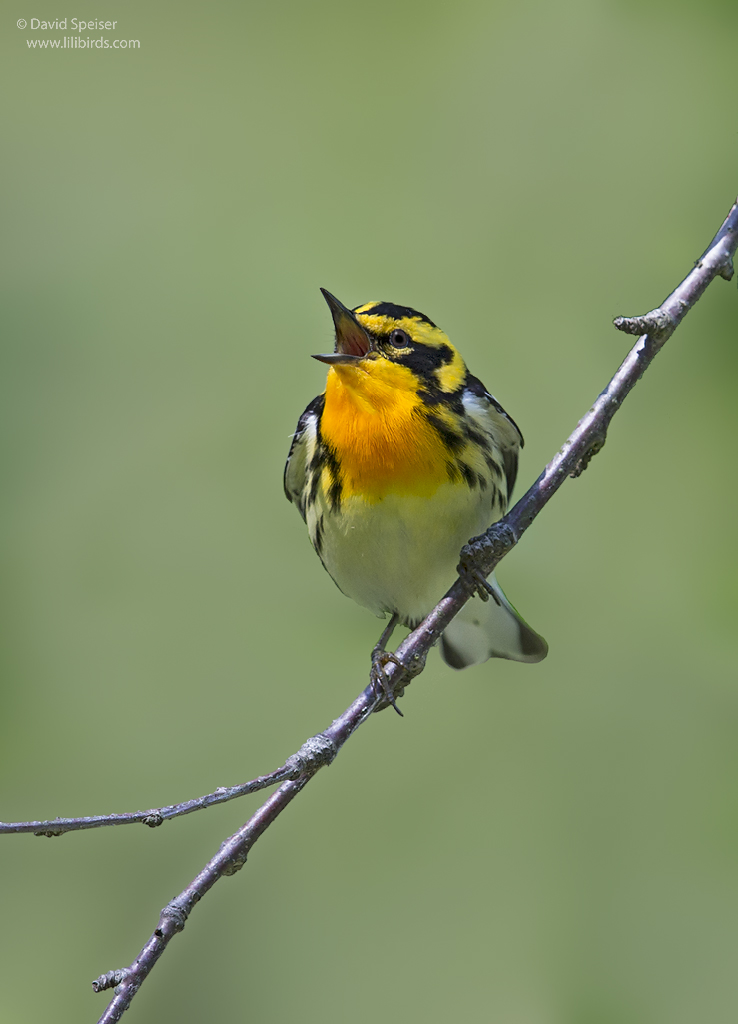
(387,689)
(479,557)
(382,685)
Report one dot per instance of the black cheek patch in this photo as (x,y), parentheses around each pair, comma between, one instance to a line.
(424,360)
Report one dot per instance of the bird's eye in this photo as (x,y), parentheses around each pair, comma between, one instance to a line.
(400,339)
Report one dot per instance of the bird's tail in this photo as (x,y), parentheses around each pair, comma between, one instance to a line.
(490,629)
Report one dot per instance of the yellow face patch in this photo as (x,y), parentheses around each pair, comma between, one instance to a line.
(450,375)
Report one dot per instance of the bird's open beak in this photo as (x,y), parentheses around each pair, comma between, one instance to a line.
(352,341)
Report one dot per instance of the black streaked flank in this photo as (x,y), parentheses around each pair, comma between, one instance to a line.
(334,495)
(324,458)
(480,440)
(318,458)
(492,465)
(396,312)
(336,489)
(453,441)
(314,485)
(468,474)
(318,538)
(313,413)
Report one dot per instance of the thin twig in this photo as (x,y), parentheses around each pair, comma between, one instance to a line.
(478,558)
(231,857)
(291,769)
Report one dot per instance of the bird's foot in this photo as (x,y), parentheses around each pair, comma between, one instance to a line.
(380,681)
(477,583)
(381,658)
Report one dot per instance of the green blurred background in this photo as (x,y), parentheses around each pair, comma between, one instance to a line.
(552,844)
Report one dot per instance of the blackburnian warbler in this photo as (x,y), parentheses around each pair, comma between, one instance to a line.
(401,460)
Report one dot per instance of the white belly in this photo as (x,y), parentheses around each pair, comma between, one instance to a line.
(400,554)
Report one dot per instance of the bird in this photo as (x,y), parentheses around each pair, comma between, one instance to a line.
(401,460)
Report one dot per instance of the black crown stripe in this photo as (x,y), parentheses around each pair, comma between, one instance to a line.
(396,312)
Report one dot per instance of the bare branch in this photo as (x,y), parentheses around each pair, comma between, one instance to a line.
(229,859)
(294,766)
(478,558)
(318,751)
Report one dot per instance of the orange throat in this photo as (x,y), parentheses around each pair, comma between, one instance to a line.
(373,421)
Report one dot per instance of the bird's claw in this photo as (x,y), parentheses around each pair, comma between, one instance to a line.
(477,583)
(380,683)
